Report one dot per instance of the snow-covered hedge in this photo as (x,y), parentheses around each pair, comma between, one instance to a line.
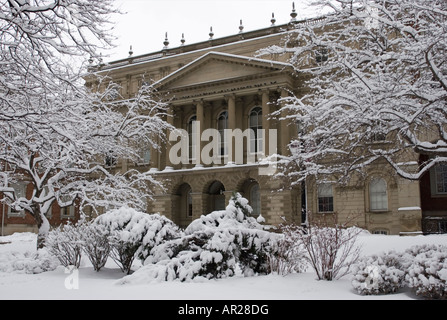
(213,246)
(30,263)
(96,244)
(427,271)
(379,274)
(65,243)
(134,234)
(422,268)
(122,234)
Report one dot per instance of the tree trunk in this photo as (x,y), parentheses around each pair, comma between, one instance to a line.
(43,226)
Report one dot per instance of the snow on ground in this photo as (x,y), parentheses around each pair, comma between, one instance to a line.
(89,284)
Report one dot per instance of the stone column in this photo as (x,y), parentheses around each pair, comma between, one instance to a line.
(170,120)
(284,127)
(197,205)
(265,121)
(231,124)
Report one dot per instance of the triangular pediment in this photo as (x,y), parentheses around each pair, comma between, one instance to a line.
(214,66)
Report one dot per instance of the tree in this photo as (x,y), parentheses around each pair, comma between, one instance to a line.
(375,73)
(55,133)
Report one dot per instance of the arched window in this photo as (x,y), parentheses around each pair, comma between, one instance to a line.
(255,199)
(191,128)
(222,124)
(378,195)
(255,124)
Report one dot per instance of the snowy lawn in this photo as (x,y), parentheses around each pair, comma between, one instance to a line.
(102,285)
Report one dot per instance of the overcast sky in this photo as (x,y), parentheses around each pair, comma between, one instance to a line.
(146,21)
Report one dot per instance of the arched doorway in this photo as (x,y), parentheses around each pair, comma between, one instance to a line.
(216,196)
(183,206)
(251,190)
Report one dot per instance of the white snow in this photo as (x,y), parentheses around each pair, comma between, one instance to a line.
(103,284)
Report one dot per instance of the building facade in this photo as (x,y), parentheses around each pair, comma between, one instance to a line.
(224,100)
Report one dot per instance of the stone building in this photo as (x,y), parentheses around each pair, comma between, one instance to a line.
(219,84)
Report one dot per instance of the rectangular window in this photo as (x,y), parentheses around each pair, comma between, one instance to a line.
(110,160)
(325,198)
(438,180)
(378,195)
(441,179)
(321,54)
(442,226)
(145,155)
(67,212)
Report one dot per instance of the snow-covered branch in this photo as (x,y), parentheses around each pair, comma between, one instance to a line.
(376,76)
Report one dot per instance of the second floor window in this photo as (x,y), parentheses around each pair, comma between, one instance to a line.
(255,124)
(192,134)
(222,124)
(145,155)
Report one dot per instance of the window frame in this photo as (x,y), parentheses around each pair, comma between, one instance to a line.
(223,143)
(330,198)
(144,159)
(255,202)
(373,194)
(19,192)
(257,140)
(434,176)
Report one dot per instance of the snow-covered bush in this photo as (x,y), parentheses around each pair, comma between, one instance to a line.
(213,246)
(379,274)
(65,242)
(28,262)
(331,248)
(190,257)
(427,270)
(235,215)
(133,234)
(237,232)
(96,238)
(288,254)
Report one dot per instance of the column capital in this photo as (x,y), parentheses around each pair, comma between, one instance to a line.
(264,91)
(230,96)
(198,101)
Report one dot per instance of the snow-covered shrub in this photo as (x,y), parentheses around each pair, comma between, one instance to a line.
(28,262)
(212,246)
(379,274)
(287,254)
(186,258)
(427,270)
(135,233)
(235,215)
(331,247)
(237,232)
(96,238)
(65,242)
